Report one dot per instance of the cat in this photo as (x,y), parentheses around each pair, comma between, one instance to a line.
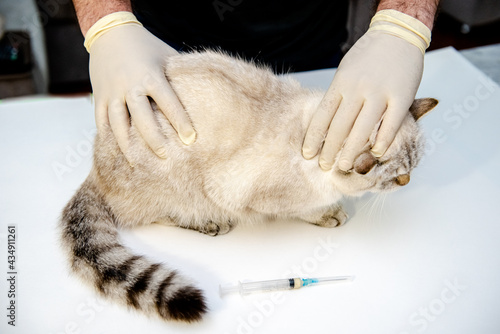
(245,166)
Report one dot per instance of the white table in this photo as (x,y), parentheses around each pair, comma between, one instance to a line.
(426,258)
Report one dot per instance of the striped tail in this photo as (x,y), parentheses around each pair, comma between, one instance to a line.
(90,235)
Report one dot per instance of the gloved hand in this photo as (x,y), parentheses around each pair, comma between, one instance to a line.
(126,66)
(377,79)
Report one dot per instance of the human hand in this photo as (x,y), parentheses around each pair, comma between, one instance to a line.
(126,67)
(376,80)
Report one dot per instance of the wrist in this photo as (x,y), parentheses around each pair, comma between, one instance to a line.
(393,22)
(422,10)
(106,23)
(89,12)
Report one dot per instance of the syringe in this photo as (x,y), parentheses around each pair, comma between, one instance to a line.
(245,288)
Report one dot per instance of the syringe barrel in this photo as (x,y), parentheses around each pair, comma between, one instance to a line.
(262,286)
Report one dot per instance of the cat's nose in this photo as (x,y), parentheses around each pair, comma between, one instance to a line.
(403,180)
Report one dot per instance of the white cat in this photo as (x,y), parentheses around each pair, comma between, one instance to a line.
(245,166)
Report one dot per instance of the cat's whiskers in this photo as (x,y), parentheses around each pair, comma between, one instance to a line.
(376,209)
(368,208)
(382,205)
(368,203)
(373,205)
(377,205)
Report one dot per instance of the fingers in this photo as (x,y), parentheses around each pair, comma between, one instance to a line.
(339,129)
(390,125)
(117,116)
(163,94)
(101,115)
(366,121)
(119,122)
(144,119)
(319,125)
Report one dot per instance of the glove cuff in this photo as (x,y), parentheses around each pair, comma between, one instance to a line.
(108,22)
(401,25)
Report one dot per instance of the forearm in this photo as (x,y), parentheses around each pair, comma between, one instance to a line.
(90,11)
(422,10)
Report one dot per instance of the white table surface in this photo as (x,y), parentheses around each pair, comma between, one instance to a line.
(426,258)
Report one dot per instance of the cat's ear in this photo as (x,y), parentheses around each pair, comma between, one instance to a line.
(420,107)
(364,163)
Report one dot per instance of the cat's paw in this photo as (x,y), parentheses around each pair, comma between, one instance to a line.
(333,218)
(217,228)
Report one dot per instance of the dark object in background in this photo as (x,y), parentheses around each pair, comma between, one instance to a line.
(449,32)
(16,64)
(15,53)
(472,13)
(68,61)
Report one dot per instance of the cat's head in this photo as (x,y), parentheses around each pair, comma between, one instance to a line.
(392,170)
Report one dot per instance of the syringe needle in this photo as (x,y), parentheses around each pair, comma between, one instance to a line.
(320,280)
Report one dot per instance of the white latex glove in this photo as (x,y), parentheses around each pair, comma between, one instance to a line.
(377,78)
(126,67)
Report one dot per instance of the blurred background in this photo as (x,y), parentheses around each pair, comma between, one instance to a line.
(41,46)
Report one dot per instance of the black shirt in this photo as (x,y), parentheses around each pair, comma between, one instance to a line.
(289,35)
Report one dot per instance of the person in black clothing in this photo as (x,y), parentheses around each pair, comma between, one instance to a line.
(288,35)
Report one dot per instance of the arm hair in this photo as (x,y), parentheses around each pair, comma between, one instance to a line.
(422,10)
(90,11)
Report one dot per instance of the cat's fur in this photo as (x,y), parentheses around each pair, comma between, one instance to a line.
(245,166)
